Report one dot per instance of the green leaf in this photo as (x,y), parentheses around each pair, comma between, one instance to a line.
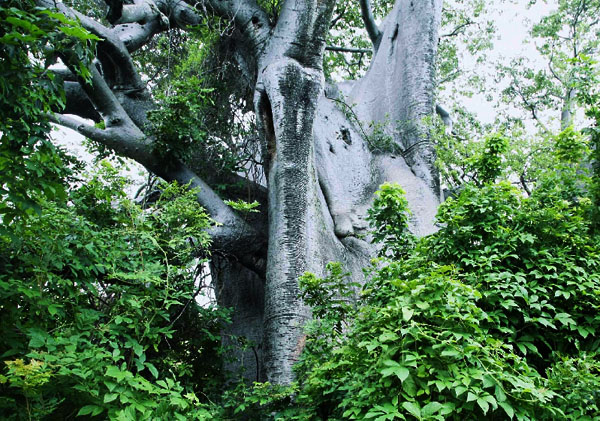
(431,408)
(488,381)
(500,396)
(508,409)
(583,331)
(459,390)
(450,353)
(79,33)
(53,309)
(413,408)
(407,313)
(38,338)
(394,368)
(484,405)
(388,337)
(109,397)
(110,385)
(152,369)
(92,410)
(447,408)
(565,319)
(113,371)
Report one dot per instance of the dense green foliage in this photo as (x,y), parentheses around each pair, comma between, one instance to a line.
(495,316)
(30,41)
(98,295)
(99,311)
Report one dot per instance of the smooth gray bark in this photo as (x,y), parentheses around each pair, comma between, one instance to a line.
(320,167)
(397,90)
(319,178)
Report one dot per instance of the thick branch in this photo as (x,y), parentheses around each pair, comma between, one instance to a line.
(114,54)
(105,101)
(180,14)
(531,107)
(134,35)
(78,103)
(115,59)
(85,129)
(249,18)
(124,137)
(233,235)
(139,22)
(124,134)
(370,25)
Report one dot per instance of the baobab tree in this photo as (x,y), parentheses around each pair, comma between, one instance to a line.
(320,144)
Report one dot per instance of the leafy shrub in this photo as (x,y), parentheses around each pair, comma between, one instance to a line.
(495,316)
(99,308)
(578,378)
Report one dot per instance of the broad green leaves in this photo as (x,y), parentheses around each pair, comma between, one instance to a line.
(96,293)
(389,217)
(30,41)
(481,320)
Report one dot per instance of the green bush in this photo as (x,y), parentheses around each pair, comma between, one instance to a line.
(99,313)
(495,316)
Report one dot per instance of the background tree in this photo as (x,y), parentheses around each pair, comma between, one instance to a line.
(561,37)
(536,92)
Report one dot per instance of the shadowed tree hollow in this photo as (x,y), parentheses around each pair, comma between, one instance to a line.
(322,149)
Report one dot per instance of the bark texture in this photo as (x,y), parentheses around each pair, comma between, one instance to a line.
(320,164)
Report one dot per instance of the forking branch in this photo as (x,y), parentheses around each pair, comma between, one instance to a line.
(124,133)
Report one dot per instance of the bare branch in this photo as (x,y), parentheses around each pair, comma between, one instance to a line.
(524,183)
(531,107)
(348,49)
(553,72)
(340,15)
(77,125)
(373,30)
(445,116)
(457,30)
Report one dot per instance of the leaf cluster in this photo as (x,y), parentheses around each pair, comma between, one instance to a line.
(99,307)
(31,40)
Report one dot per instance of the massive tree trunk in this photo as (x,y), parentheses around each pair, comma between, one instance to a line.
(320,155)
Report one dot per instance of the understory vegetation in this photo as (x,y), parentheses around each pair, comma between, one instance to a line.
(495,316)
